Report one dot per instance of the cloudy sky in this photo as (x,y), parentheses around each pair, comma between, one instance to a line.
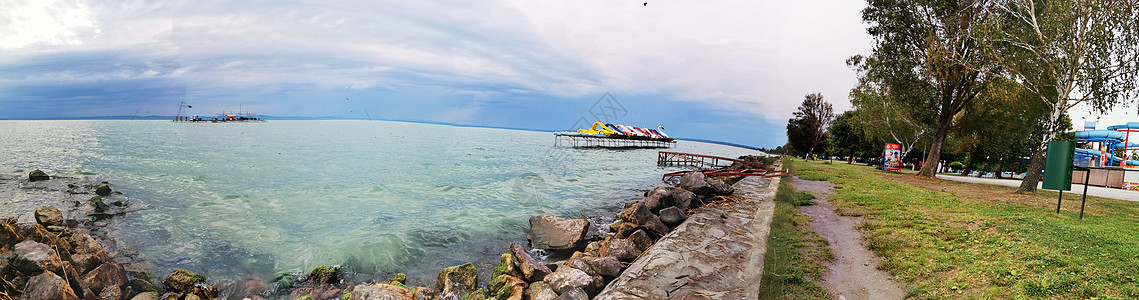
(723,70)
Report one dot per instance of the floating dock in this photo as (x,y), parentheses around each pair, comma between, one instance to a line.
(578,140)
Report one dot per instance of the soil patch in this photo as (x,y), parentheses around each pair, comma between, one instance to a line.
(853,274)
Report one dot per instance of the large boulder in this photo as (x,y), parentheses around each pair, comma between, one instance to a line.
(554,233)
(48,286)
(49,216)
(531,268)
(103,190)
(637,214)
(655,226)
(668,196)
(88,254)
(641,239)
(33,258)
(622,249)
(672,216)
(540,291)
(574,294)
(719,187)
(37,175)
(105,276)
(695,183)
(566,279)
(382,291)
(457,280)
(181,280)
(604,266)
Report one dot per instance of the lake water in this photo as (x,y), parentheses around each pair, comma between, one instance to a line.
(244,200)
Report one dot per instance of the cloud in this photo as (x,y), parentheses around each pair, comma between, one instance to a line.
(477,60)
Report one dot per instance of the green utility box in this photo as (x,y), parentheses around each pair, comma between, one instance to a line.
(1058,166)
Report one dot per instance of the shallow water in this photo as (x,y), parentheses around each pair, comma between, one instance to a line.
(238,201)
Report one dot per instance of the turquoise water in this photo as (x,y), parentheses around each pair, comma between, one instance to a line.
(238,201)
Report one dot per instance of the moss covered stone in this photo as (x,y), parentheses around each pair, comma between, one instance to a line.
(323,274)
(181,280)
(478,294)
(458,280)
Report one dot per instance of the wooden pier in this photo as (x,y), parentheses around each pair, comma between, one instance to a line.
(712,165)
(577,140)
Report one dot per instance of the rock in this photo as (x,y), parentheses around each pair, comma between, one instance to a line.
(669,196)
(652,202)
(97,203)
(642,240)
(48,286)
(111,293)
(88,254)
(457,280)
(574,294)
(105,276)
(33,258)
(672,216)
(425,293)
(507,287)
(322,274)
(566,279)
(721,188)
(622,228)
(636,214)
(607,266)
(540,291)
(655,226)
(181,280)
(49,216)
(382,291)
(37,175)
(147,296)
(553,233)
(103,190)
(531,269)
(622,249)
(72,223)
(694,182)
(478,294)
(144,282)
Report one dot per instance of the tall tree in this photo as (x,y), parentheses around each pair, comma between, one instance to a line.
(931,42)
(883,109)
(848,138)
(1065,52)
(808,128)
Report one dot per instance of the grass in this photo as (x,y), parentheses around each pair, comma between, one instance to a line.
(953,240)
(796,255)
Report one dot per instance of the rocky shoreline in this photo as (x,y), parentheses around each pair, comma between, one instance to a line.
(55,258)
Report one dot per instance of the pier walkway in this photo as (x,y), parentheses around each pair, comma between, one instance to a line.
(716,254)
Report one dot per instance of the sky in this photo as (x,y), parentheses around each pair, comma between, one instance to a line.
(725,70)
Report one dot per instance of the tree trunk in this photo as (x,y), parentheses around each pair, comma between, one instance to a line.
(1032,177)
(929,168)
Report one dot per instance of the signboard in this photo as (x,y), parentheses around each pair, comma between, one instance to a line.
(893,157)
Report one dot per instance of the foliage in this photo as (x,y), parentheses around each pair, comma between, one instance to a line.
(1065,53)
(928,44)
(794,261)
(882,112)
(957,165)
(848,138)
(808,128)
(952,240)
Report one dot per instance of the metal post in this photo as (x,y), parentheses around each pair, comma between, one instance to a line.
(1058,201)
(1085,199)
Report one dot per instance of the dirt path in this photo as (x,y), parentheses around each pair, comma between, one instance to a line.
(853,274)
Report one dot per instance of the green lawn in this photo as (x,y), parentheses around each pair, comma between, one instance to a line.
(952,240)
(795,257)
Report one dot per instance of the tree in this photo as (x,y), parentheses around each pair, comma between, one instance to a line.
(929,43)
(848,138)
(809,126)
(1065,53)
(883,109)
